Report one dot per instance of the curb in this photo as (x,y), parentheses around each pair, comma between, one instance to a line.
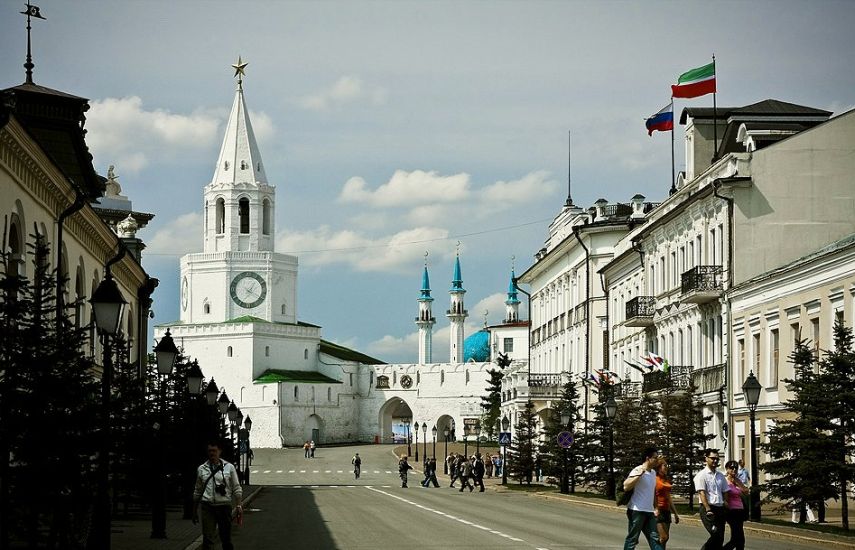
(197,543)
(748,527)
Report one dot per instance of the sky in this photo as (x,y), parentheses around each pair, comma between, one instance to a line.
(392,129)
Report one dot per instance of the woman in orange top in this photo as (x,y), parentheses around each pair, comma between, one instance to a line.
(664,505)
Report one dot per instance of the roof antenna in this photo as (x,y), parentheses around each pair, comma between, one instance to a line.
(569,201)
(32,11)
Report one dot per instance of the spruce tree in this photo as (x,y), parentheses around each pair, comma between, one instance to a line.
(523,445)
(802,449)
(552,454)
(491,404)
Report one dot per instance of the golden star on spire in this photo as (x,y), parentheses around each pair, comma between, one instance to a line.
(239,67)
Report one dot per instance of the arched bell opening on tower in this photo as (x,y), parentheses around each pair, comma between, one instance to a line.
(243,214)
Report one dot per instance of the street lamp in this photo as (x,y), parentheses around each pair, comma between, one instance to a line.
(407,424)
(611,411)
(194,378)
(424,441)
(506,425)
(107,308)
(565,481)
(416,432)
(751,390)
(244,436)
(433,431)
(446,431)
(478,438)
(465,443)
(211,393)
(165,354)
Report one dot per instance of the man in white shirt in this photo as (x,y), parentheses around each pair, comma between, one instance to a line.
(217,489)
(711,485)
(641,510)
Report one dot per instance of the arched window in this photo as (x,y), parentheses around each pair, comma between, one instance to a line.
(329,394)
(283,309)
(267,351)
(206,308)
(442,377)
(220,221)
(243,165)
(296,393)
(467,376)
(243,214)
(80,297)
(265,217)
(229,351)
(306,354)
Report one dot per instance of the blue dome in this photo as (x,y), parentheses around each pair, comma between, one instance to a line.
(477,347)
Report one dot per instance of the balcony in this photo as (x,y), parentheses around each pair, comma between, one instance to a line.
(677,377)
(710,379)
(627,390)
(544,384)
(701,284)
(639,311)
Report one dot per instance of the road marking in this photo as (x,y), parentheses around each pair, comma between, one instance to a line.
(302,471)
(449,516)
(315,471)
(290,471)
(387,471)
(255,471)
(376,472)
(266,471)
(278,471)
(338,472)
(330,471)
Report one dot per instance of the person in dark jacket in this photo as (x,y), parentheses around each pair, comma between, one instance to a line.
(403,467)
(452,468)
(465,474)
(478,473)
(430,473)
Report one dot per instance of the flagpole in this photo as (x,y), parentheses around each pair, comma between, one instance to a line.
(715,116)
(673,176)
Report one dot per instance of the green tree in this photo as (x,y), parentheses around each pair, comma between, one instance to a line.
(553,455)
(524,445)
(802,450)
(491,403)
(636,426)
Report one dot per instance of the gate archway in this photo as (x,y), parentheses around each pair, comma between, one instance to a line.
(391,420)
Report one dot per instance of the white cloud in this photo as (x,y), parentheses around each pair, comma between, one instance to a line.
(396,252)
(182,235)
(494,304)
(262,125)
(347,89)
(408,189)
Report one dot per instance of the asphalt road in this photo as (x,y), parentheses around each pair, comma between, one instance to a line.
(316,504)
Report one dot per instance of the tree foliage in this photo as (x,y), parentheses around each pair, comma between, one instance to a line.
(491,404)
(524,445)
(552,454)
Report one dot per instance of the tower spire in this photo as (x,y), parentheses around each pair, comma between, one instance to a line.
(512,303)
(31,11)
(456,313)
(425,320)
(569,201)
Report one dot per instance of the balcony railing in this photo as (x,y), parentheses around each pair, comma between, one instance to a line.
(710,379)
(702,284)
(544,384)
(639,311)
(627,389)
(678,377)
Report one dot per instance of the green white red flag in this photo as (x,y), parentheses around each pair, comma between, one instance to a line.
(695,83)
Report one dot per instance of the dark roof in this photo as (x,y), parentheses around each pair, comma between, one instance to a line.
(55,121)
(348,354)
(767,107)
(113,216)
(298,376)
(253,319)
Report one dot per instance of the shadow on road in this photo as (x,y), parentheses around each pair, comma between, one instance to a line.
(265,526)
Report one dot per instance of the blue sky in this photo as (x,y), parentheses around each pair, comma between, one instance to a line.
(394,128)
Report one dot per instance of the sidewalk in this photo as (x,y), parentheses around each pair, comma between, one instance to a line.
(134,531)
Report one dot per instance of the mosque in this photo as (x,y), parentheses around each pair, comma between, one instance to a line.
(238,318)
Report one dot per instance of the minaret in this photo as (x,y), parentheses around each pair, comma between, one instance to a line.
(239,203)
(512,304)
(457,314)
(425,320)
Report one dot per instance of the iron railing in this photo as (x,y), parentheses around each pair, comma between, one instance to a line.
(703,278)
(640,306)
(678,376)
(710,379)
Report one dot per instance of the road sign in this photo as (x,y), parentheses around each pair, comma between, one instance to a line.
(504,438)
(565,440)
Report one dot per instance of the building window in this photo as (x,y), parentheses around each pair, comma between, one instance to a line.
(229,351)
(296,393)
(740,354)
(243,214)
(306,354)
(755,339)
(220,213)
(814,325)
(265,217)
(441,377)
(774,352)
(283,309)
(206,308)
(350,377)
(508,345)
(267,351)
(329,394)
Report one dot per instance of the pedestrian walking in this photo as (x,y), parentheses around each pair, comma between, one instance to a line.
(403,468)
(478,472)
(711,486)
(641,510)
(666,512)
(306,449)
(498,465)
(745,478)
(465,473)
(430,473)
(735,512)
(453,468)
(312,448)
(488,465)
(357,465)
(538,467)
(796,517)
(217,490)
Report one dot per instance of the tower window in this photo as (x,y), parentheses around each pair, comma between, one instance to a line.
(221,217)
(206,308)
(267,351)
(243,165)
(306,354)
(226,165)
(243,213)
(283,309)
(265,217)
(329,394)
(229,351)
(258,167)
(296,393)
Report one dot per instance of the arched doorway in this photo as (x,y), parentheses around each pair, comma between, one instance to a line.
(443,422)
(315,429)
(391,421)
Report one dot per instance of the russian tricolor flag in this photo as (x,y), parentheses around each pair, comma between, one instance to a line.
(661,121)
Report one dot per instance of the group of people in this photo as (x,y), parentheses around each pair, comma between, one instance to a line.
(650,510)
(309,449)
(469,471)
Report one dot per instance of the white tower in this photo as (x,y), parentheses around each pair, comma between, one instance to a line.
(512,304)
(425,321)
(457,315)
(238,274)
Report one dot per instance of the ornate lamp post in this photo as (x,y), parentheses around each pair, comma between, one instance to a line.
(611,411)
(751,390)
(244,435)
(424,441)
(506,425)
(107,308)
(565,479)
(407,424)
(416,432)
(165,353)
(433,431)
(465,443)
(446,431)
(478,438)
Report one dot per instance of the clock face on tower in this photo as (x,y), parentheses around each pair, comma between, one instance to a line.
(184,293)
(248,289)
